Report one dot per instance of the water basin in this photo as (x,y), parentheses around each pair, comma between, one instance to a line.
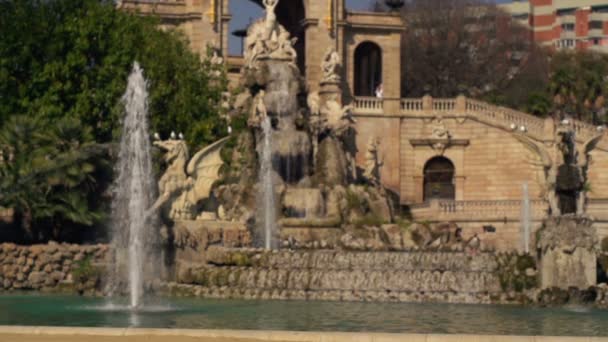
(190,313)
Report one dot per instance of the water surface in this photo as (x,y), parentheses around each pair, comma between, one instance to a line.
(304,316)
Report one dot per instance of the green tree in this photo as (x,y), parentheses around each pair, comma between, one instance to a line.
(578,85)
(47,174)
(72,58)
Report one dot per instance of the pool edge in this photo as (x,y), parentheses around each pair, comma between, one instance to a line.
(268,335)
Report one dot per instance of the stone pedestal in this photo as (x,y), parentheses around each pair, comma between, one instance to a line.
(568,246)
(330,91)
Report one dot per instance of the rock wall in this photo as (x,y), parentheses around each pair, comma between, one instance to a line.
(52,267)
(341,275)
(569,247)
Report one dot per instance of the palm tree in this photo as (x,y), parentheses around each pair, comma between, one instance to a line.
(50,173)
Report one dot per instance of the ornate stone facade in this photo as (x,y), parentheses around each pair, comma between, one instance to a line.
(456,160)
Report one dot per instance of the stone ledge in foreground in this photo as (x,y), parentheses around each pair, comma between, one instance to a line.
(69,334)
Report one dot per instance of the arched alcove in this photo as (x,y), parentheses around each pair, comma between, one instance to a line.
(291,15)
(368,68)
(439,179)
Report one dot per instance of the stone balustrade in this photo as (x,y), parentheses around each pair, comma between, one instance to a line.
(369,105)
(444,105)
(505,118)
(411,105)
(447,210)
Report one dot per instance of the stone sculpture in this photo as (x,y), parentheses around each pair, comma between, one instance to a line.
(186,181)
(338,118)
(372,162)
(549,169)
(217,63)
(331,65)
(583,158)
(258,110)
(270,23)
(565,155)
(316,121)
(439,129)
(268,39)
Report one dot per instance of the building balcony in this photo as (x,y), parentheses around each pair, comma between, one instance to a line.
(567,19)
(596,33)
(568,35)
(598,16)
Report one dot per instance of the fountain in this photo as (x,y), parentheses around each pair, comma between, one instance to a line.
(267,213)
(133,193)
(567,242)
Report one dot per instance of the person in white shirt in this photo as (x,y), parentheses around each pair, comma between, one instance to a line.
(379,91)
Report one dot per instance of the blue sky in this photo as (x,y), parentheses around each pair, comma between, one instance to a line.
(243,11)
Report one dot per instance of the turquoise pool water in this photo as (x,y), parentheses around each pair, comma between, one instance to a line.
(305,316)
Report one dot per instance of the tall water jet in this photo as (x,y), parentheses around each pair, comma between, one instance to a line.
(133,191)
(266,209)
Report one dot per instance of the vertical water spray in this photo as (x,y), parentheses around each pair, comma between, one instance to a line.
(267,202)
(133,190)
(525,218)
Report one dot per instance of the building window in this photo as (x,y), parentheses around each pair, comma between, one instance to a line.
(368,69)
(596,25)
(521,16)
(439,179)
(568,27)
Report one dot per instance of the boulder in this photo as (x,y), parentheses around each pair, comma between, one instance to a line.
(394,235)
(36,277)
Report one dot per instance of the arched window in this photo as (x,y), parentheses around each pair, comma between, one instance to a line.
(439,179)
(368,69)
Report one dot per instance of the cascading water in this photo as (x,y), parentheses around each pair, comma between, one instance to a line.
(291,146)
(267,210)
(133,192)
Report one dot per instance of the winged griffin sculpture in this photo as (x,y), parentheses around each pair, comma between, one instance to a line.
(550,168)
(559,154)
(187,181)
(583,159)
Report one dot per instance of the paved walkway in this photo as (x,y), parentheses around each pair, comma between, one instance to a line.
(52,334)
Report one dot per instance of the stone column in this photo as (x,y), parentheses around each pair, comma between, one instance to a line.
(427,103)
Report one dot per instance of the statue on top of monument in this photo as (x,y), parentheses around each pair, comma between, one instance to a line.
(565,166)
(550,168)
(271,17)
(583,159)
(266,38)
(331,66)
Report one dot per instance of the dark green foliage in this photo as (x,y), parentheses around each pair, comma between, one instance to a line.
(51,174)
(72,58)
(512,271)
(85,272)
(369,220)
(578,85)
(63,69)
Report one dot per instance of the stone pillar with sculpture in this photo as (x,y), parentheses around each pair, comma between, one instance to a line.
(567,242)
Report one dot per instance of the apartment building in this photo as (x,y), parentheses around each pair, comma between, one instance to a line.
(564,24)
